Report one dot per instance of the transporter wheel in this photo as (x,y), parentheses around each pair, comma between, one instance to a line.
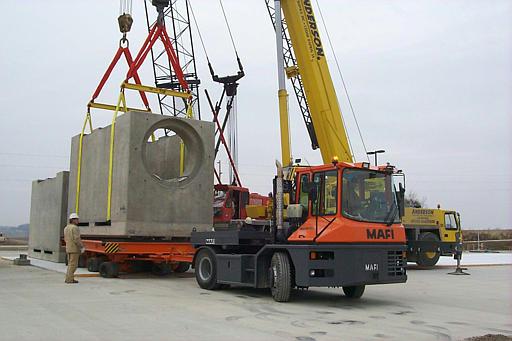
(354,291)
(93,264)
(430,258)
(281,279)
(161,269)
(181,267)
(109,270)
(206,269)
(82,261)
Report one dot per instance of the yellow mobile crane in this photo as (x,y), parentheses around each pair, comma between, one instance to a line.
(441,228)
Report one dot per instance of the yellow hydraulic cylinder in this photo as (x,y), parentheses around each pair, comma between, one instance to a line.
(286,154)
(318,84)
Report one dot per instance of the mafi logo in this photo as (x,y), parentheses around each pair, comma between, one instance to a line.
(380,234)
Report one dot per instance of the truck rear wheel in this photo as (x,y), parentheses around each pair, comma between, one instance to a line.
(354,291)
(109,269)
(281,279)
(428,258)
(206,269)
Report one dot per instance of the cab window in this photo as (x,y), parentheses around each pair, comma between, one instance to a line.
(450,221)
(304,195)
(326,202)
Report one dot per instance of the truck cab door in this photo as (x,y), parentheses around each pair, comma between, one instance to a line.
(450,227)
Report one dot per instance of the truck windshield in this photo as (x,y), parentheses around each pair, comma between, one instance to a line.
(369,196)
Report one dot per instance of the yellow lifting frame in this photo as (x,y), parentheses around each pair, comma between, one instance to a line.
(154,90)
(112,107)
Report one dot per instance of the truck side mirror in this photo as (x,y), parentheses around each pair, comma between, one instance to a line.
(306,186)
(313,193)
(400,198)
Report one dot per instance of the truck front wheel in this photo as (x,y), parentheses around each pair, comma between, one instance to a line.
(428,258)
(206,269)
(354,291)
(280,277)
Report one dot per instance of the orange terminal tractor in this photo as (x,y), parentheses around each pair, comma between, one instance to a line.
(333,225)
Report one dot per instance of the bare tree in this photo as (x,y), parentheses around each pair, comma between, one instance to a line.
(413,200)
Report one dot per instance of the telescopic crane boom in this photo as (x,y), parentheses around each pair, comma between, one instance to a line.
(311,66)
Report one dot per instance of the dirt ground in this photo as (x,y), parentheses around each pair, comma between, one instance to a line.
(490,337)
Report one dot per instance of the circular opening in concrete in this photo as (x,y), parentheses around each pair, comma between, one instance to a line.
(172,151)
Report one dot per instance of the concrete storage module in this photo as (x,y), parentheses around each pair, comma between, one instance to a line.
(48,213)
(149,197)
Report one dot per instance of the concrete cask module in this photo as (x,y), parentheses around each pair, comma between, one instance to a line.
(150,197)
(48,217)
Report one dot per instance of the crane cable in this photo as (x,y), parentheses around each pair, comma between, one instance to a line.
(198,31)
(229,28)
(342,81)
(125,7)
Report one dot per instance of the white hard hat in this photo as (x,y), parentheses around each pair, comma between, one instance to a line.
(73,216)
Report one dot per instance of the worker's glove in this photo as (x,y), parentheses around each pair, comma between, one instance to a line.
(82,249)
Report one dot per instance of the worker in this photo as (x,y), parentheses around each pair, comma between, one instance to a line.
(74,246)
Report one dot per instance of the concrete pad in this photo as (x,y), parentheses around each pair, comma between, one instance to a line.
(146,200)
(430,306)
(48,217)
(52,266)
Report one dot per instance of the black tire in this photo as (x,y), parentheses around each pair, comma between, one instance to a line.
(428,259)
(354,291)
(109,270)
(281,279)
(93,264)
(181,267)
(161,269)
(82,261)
(206,269)
(140,266)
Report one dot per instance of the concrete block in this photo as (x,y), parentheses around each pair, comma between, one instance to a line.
(48,217)
(149,197)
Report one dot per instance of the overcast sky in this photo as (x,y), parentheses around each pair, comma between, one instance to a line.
(431,83)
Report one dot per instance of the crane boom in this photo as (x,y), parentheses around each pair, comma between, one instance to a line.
(316,78)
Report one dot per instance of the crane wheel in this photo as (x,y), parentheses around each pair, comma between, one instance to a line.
(354,291)
(109,270)
(181,267)
(206,269)
(429,258)
(280,277)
